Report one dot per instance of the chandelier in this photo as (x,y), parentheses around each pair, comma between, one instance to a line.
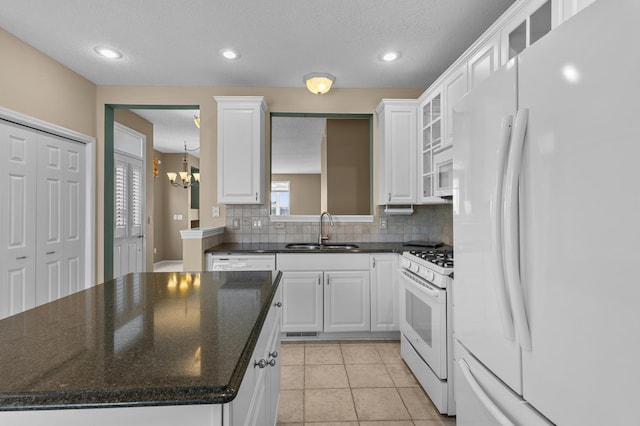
(185,177)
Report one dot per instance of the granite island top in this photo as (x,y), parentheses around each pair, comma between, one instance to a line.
(144,339)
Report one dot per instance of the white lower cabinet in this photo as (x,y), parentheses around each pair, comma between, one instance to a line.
(346,301)
(302,294)
(384,292)
(257,401)
(325,292)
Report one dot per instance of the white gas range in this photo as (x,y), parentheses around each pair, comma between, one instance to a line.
(426,320)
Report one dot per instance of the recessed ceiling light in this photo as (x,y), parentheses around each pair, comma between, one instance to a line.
(108,53)
(229,54)
(390,56)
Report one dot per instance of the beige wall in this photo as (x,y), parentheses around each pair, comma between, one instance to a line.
(304,192)
(159,211)
(175,201)
(34,84)
(348,167)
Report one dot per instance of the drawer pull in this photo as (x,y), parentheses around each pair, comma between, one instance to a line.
(278,304)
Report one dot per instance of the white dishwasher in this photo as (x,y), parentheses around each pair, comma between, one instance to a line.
(240,262)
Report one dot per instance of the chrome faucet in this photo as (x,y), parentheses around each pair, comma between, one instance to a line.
(322,238)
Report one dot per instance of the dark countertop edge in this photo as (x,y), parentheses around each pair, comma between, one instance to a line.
(251,248)
(141,397)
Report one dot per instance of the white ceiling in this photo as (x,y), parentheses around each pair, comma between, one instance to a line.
(169,42)
(172,128)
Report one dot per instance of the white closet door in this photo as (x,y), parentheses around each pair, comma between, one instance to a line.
(60,223)
(73,223)
(49,247)
(17,218)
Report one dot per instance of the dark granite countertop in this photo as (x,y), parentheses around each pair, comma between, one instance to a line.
(140,340)
(376,247)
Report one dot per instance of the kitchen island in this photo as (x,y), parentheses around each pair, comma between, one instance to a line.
(147,348)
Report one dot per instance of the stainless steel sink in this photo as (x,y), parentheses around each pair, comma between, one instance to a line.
(339,246)
(303,246)
(315,246)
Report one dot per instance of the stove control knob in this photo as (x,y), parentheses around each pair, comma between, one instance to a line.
(404,263)
(415,268)
(430,275)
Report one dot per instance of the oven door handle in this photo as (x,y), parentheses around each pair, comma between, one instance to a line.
(425,289)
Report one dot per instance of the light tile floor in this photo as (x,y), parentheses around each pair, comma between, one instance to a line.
(351,384)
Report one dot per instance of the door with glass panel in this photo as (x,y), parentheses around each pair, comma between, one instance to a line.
(129,193)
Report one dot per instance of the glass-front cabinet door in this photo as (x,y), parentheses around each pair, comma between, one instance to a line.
(431,125)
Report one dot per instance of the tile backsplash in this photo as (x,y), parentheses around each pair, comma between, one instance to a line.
(428,223)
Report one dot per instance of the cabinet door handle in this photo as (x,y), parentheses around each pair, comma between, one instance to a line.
(318,280)
(50,252)
(278,304)
(374,262)
(272,363)
(273,354)
(21,258)
(262,363)
(256,196)
(389,197)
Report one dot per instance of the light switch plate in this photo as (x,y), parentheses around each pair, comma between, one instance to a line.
(236,224)
(383,223)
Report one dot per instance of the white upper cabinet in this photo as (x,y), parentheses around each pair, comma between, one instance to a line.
(565,9)
(241,147)
(431,134)
(454,87)
(397,133)
(525,28)
(484,61)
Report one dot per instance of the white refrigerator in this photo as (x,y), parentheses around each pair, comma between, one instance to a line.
(546,295)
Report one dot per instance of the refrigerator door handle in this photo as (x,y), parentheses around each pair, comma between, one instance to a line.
(511,232)
(482,396)
(506,317)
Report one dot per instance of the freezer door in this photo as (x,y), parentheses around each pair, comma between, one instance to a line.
(483,400)
(579,206)
(482,316)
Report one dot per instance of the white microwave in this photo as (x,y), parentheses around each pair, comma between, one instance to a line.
(443,172)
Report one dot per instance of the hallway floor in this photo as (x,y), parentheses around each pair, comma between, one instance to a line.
(351,384)
(168,266)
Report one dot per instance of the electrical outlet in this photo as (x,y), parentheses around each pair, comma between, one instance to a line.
(256,223)
(215,211)
(383,223)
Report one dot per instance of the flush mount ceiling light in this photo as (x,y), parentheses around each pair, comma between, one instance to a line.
(107,52)
(390,56)
(229,54)
(319,83)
